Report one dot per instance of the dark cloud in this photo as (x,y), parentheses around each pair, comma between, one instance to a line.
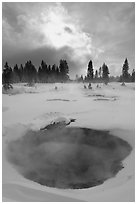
(67,29)
(49,55)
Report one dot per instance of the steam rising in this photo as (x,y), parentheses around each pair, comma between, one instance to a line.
(69,157)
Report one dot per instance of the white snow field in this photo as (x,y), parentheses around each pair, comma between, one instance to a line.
(110,107)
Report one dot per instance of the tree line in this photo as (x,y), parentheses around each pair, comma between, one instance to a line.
(102,74)
(50,74)
(28,73)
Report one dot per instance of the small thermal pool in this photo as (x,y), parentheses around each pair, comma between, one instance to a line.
(68,158)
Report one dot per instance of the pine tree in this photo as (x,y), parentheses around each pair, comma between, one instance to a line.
(21,73)
(105,73)
(53,73)
(16,73)
(49,73)
(40,74)
(44,71)
(53,69)
(64,70)
(133,76)
(125,68)
(49,70)
(30,73)
(57,74)
(7,76)
(90,71)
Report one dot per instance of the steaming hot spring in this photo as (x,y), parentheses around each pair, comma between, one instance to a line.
(69,157)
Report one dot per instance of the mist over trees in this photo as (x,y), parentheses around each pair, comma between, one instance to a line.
(45,73)
(29,74)
(102,75)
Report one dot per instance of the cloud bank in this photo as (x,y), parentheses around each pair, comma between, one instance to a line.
(77,32)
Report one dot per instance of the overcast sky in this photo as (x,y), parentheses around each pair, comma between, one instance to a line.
(77,32)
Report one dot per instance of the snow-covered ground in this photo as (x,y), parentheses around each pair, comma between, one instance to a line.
(110,107)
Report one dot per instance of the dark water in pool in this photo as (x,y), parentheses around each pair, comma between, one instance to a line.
(68,158)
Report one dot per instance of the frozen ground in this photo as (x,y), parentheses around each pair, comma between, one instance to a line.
(110,108)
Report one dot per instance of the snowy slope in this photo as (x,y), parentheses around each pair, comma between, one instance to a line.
(111,107)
